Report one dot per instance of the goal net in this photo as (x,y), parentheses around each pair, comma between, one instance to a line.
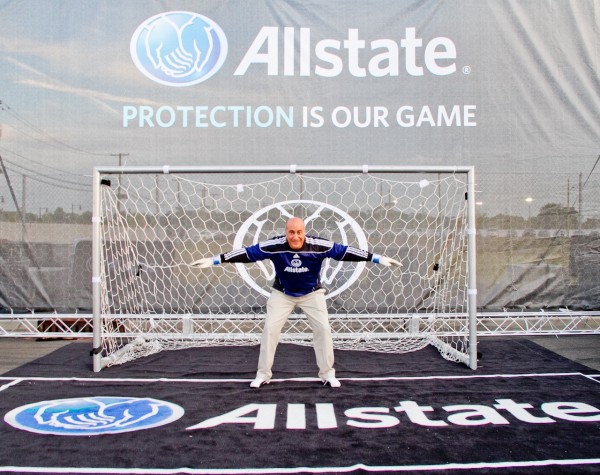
(151,223)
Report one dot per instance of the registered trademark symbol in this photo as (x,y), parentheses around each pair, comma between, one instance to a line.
(466,69)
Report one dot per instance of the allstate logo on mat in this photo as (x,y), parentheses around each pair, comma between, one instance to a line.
(93,415)
(178,48)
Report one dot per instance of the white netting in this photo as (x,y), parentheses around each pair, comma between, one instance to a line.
(153,226)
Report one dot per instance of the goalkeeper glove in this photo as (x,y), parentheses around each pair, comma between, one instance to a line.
(388,261)
(206,262)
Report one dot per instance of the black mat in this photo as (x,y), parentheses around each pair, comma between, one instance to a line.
(525,410)
(498,355)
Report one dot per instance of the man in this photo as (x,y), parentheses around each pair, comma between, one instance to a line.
(297,259)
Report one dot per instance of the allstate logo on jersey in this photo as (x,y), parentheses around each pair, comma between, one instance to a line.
(178,48)
(93,415)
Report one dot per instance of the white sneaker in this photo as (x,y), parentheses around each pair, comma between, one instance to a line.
(258,382)
(333,382)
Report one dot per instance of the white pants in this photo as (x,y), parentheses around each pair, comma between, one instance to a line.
(279,308)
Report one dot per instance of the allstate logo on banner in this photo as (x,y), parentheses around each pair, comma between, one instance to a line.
(93,415)
(178,48)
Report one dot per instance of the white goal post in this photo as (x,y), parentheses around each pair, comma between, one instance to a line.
(150,223)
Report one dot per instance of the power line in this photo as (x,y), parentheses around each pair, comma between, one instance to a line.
(37,174)
(56,182)
(120,155)
(591,171)
(12,152)
(50,140)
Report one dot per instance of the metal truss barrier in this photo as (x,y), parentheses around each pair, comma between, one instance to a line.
(557,322)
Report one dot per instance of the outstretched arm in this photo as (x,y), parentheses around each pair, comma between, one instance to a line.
(245,254)
(354,254)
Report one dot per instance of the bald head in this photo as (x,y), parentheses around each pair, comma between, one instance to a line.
(294,233)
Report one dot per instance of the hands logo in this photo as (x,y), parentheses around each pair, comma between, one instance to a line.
(93,415)
(178,48)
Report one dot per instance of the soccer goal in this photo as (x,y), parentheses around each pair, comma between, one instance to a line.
(150,223)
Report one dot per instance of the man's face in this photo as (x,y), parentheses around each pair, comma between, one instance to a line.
(294,232)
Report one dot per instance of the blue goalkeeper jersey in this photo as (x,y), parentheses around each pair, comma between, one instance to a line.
(297,272)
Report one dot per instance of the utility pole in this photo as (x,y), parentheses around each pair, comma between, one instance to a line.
(13,195)
(568,215)
(19,211)
(120,155)
(24,194)
(579,217)
(119,189)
